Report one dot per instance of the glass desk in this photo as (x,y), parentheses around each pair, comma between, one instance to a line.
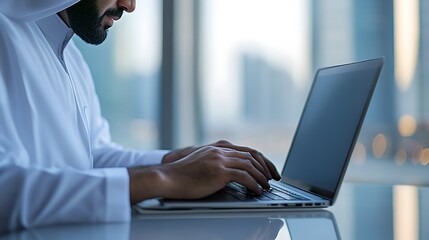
(362,211)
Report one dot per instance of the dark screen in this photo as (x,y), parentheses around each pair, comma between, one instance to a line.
(329,124)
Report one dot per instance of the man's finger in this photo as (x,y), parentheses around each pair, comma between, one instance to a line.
(273,170)
(245,165)
(244,155)
(255,154)
(245,179)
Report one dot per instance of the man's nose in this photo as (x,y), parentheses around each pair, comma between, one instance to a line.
(127,5)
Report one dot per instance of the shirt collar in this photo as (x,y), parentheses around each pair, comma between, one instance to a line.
(56,32)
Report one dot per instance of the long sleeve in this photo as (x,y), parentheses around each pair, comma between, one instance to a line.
(34,195)
(26,10)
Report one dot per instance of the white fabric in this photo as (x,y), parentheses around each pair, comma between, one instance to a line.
(30,10)
(57,161)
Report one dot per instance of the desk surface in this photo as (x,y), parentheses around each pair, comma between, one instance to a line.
(361,212)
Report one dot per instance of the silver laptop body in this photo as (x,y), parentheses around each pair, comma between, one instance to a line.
(321,148)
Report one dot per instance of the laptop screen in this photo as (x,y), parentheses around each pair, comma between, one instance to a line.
(329,126)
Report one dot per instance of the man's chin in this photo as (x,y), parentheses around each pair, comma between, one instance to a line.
(95,39)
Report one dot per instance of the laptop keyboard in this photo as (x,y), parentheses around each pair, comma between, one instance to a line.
(241,193)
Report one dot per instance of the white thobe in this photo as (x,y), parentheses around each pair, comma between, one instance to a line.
(57,161)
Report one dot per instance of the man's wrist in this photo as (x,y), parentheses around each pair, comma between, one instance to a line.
(146,183)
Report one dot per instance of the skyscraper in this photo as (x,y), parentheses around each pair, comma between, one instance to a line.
(269,93)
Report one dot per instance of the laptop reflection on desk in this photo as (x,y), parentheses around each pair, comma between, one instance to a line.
(319,226)
(295,225)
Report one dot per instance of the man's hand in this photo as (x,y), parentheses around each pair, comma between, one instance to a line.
(269,169)
(199,174)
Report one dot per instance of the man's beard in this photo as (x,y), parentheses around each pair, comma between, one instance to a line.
(87,24)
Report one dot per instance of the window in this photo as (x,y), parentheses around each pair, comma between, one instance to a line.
(395,129)
(258,59)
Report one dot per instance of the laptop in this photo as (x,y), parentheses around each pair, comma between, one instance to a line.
(320,151)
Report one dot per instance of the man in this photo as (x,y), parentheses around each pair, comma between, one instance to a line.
(57,161)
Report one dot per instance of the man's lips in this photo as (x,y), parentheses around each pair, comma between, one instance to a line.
(111,16)
(116,18)
(110,20)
